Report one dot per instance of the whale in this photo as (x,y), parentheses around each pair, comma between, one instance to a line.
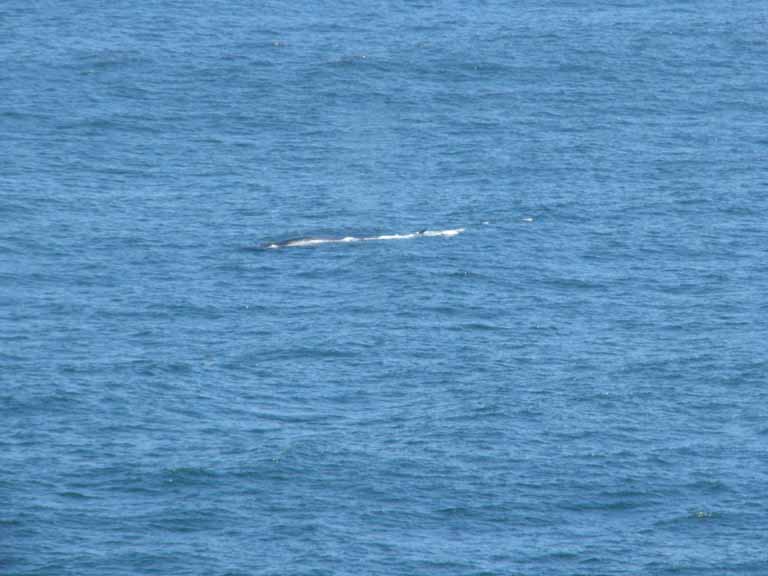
(315,241)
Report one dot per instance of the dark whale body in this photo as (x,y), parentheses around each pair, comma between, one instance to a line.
(313,241)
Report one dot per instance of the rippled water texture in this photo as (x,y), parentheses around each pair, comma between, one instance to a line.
(574,384)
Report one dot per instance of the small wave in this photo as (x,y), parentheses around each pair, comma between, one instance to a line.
(301,242)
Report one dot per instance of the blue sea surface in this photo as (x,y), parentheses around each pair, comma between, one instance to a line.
(575,384)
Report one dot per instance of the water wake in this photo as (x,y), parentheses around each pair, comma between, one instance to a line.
(300,242)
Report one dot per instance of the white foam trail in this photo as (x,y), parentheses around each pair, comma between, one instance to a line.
(315,241)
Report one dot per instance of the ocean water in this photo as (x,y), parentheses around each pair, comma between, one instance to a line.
(343,288)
